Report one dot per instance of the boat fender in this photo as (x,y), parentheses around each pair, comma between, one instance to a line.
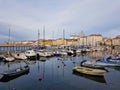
(64,64)
(73,62)
(18,61)
(40,78)
(58,66)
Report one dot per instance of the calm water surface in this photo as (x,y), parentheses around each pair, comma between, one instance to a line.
(56,76)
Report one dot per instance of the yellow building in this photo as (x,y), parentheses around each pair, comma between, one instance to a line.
(60,41)
(71,42)
(47,42)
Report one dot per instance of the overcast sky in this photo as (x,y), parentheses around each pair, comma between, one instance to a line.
(25,17)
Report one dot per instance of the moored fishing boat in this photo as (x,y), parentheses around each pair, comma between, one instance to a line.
(113,59)
(15,72)
(30,54)
(6,78)
(91,64)
(89,71)
(105,62)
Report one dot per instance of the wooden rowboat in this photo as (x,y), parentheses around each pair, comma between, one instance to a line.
(89,71)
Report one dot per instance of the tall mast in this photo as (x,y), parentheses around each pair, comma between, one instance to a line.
(43,35)
(82,38)
(43,32)
(38,37)
(8,41)
(9,37)
(52,37)
(63,36)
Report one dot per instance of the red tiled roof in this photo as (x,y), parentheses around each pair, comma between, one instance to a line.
(95,35)
(117,37)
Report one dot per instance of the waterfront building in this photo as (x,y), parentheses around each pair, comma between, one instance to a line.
(54,42)
(61,41)
(74,40)
(69,42)
(18,43)
(47,42)
(107,41)
(116,40)
(94,39)
(82,40)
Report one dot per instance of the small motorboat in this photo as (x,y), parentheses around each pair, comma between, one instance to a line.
(15,72)
(89,71)
(91,64)
(105,62)
(113,59)
(118,58)
(31,54)
(7,79)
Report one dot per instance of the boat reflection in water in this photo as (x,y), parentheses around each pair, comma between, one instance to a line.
(94,78)
(9,78)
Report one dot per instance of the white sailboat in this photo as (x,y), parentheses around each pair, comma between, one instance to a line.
(8,57)
(43,53)
(19,55)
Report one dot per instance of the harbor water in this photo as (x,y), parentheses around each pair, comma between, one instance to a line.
(52,74)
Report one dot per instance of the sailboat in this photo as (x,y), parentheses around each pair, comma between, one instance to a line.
(19,55)
(8,57)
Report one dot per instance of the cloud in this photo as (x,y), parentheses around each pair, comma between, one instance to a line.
(91,16)
(113,32)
